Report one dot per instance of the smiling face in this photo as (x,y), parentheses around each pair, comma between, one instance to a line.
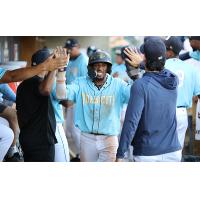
(101,70)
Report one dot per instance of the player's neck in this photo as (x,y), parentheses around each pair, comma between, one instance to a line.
(100,82)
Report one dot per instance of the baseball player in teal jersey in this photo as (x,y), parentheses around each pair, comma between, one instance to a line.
(77,67)
(189,84)
(99,99)
(61,147)
(194,60)
(119,71)
(119,68)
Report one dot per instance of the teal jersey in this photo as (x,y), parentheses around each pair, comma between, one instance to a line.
(2,72)
(57,107)
(76,68)
(189,81)
(195,55)
(98,111)
(121,70)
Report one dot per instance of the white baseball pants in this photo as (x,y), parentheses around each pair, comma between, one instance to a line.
(6,137)
(98,148)
(182,124)
(167,157)
(72,131)
(61,148)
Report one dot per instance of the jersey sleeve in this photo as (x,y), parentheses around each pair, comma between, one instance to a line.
(125,92)
(72,90)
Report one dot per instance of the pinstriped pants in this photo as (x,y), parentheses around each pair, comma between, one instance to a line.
(61,148)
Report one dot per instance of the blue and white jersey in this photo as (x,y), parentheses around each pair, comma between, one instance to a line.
(57,107)
(189,81)
(2,72)
(98,110)
(76,68)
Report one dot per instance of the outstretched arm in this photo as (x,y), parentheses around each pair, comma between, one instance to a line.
(24,73)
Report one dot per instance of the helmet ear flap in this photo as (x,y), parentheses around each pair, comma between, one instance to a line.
(109,69)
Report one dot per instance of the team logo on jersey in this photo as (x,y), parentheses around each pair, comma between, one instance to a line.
(105,100)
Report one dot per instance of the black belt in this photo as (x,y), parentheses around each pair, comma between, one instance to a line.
(97,134)
(181,107)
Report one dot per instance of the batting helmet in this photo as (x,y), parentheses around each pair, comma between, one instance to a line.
(99,57)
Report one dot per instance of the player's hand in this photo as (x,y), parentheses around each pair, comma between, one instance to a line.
(134,58)
(57,60)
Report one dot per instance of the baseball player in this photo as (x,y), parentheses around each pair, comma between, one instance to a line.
(119,68)
(119,71)
(150,121)
(76,67)
(189,83)
(193,58)
(99,98)
(6,134)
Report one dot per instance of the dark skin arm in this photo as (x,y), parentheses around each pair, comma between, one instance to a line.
(67,103)
(46,85)
(24,73)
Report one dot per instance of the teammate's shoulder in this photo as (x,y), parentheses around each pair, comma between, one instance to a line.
(83,56)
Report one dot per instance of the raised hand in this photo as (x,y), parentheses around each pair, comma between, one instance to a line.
(134,57)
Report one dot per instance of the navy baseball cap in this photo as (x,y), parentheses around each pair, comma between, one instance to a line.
(70,43)
(174,43)
(154,49)
(118,52)
(145,39)
(194,37)
(40,56)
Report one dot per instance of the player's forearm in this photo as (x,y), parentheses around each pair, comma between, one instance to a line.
(47,84)
(22,74)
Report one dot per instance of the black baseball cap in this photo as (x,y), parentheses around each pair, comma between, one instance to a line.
(70,43)
(40,56)
(154,49)
(174,43)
